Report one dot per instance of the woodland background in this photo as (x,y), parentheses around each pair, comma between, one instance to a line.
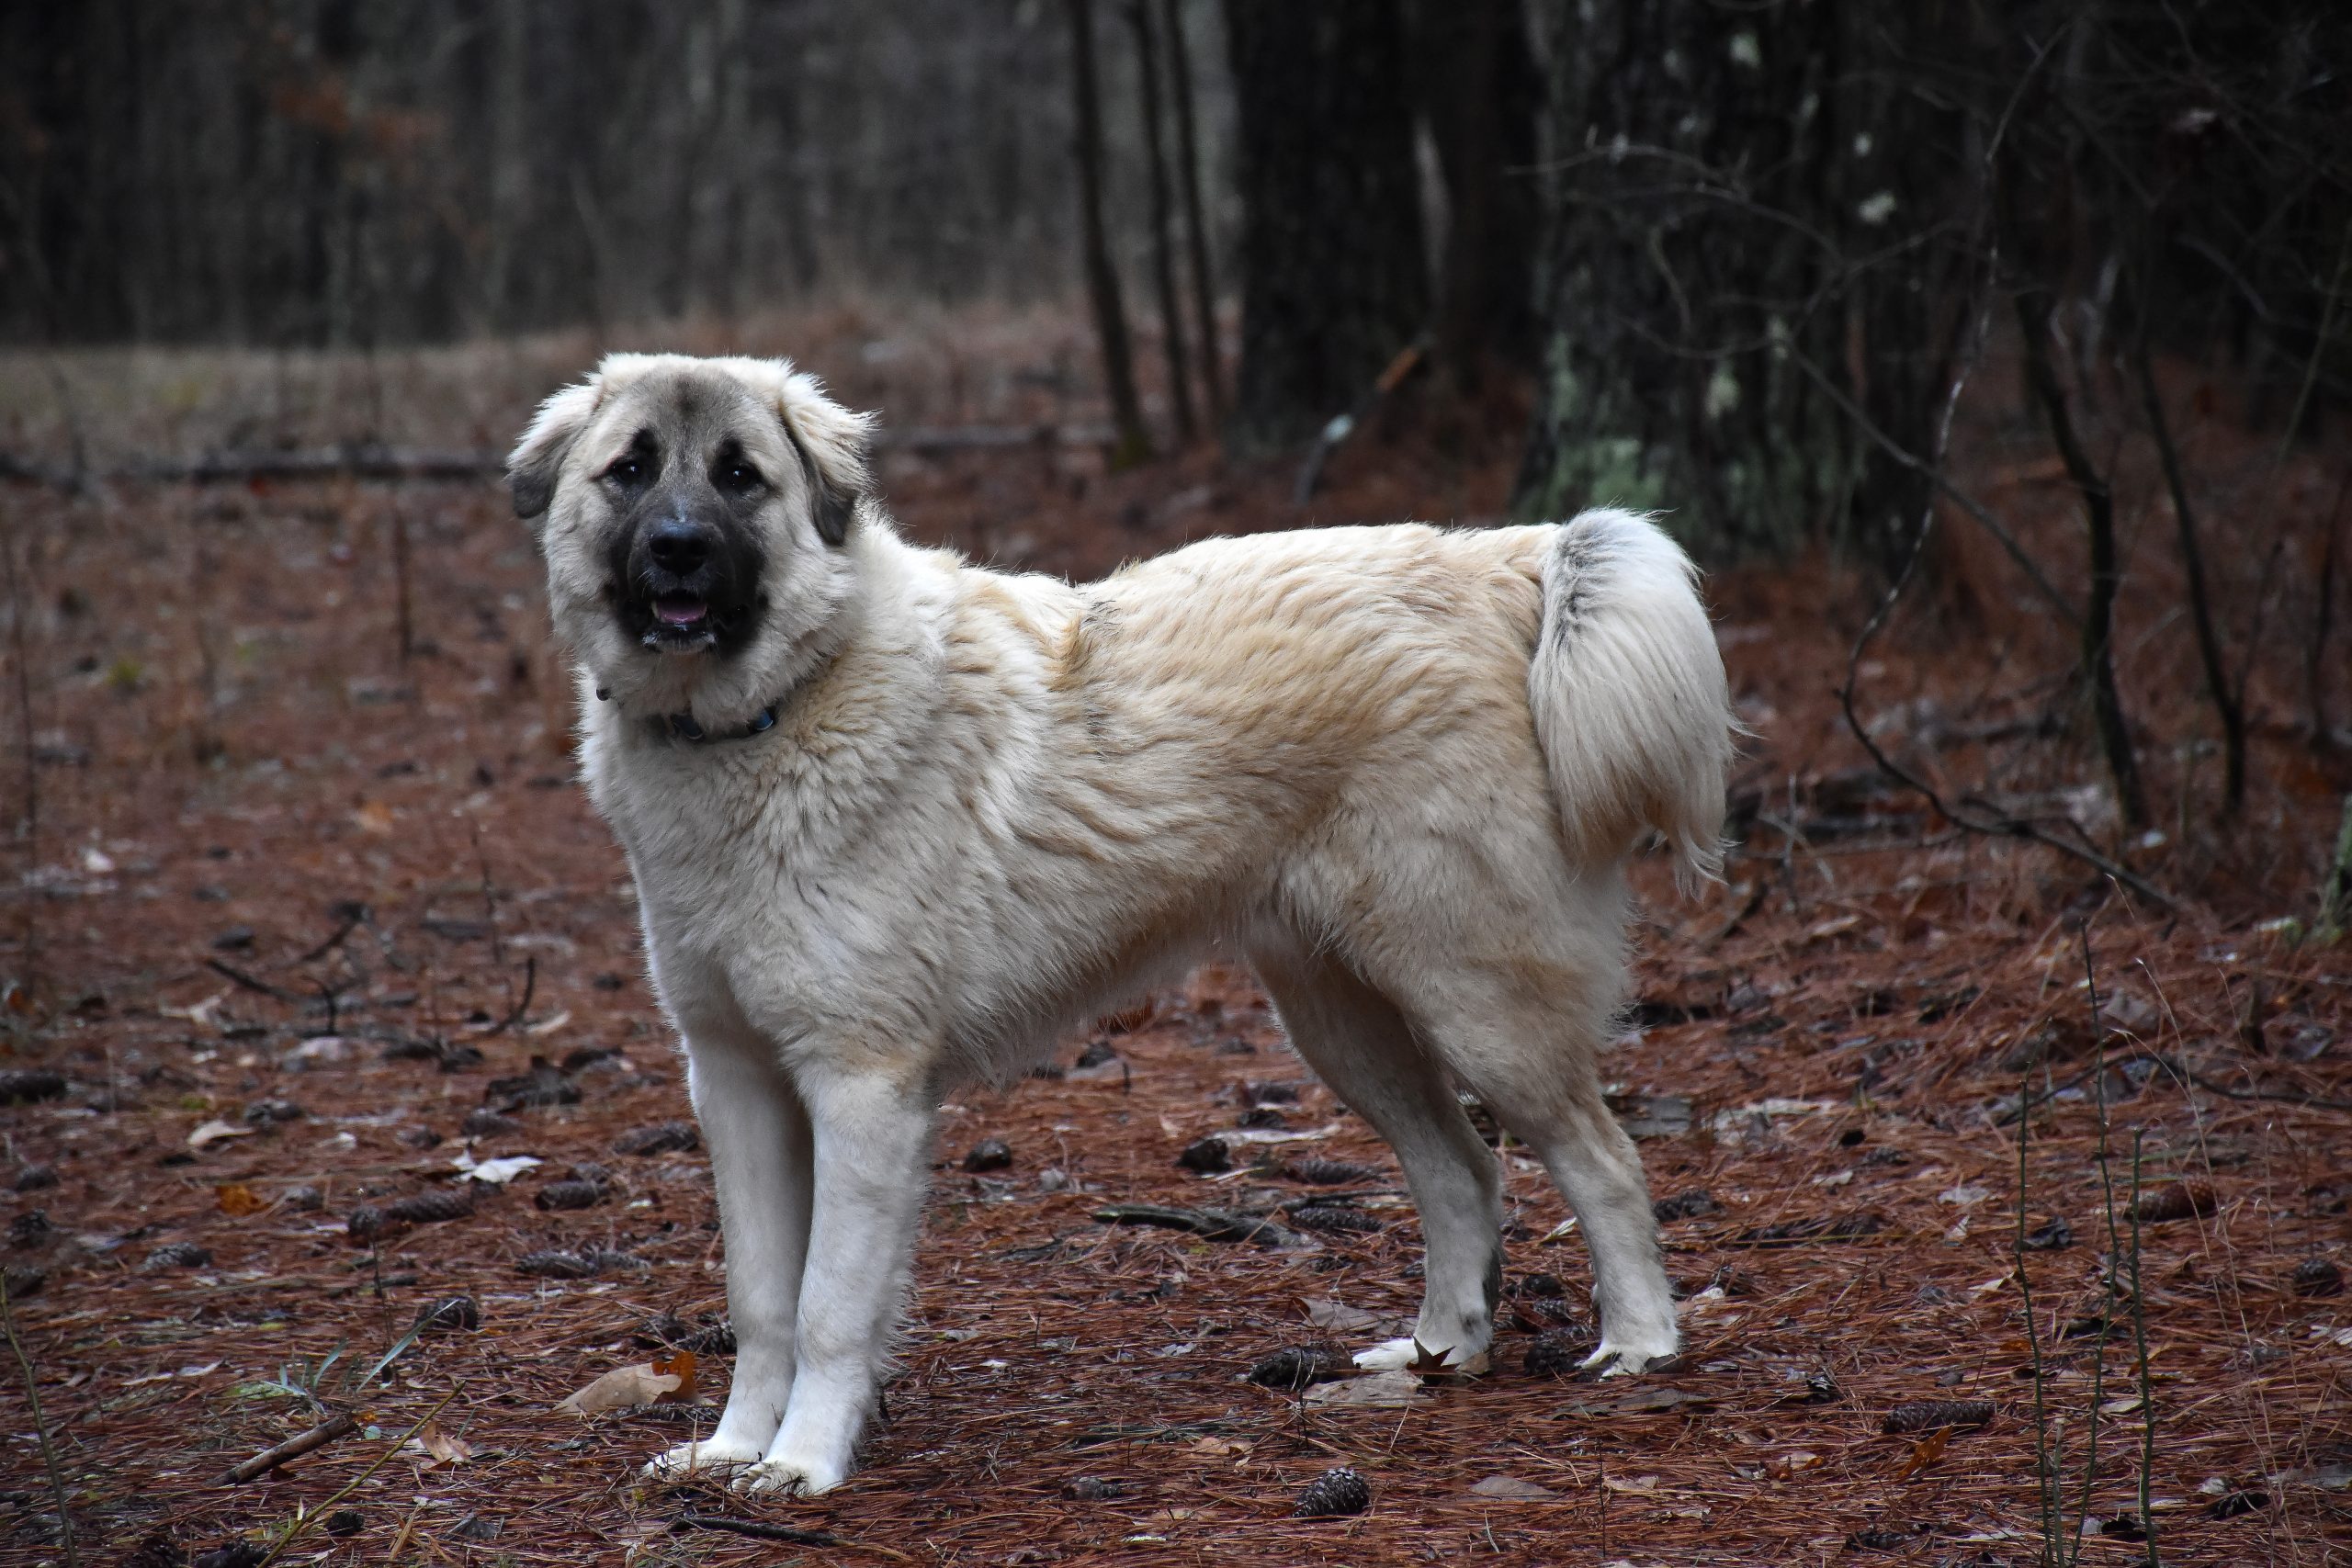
(1992,358)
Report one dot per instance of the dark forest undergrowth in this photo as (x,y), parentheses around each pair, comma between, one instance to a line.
(309,889)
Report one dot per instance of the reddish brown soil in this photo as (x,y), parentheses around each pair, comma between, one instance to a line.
(231,743)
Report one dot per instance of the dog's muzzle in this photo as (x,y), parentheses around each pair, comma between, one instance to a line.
(690,586)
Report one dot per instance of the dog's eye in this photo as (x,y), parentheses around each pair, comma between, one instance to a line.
(627,470)
(739,478)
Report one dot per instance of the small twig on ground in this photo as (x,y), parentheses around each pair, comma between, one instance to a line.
(293,1448)
(2140,1344)
(758,1529)
(304,1520)
(254,982)
(40,1430)
(515,1014)
(33,763)
(2043,1479)
(354,915)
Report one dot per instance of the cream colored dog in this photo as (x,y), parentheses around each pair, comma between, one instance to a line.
(897,821)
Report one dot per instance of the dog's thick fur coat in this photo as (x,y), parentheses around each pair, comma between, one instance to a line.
(1400,768)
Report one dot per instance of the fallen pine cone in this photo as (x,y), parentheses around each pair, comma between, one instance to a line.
(1208,1155)
(1335,1494)
(33,1177)
(345,1523)
(2317,1277)
(544,1085)
(1298,1367)
(236,1554)
(672,1332)
(1540,1285)
(1263,1118)
(21,1279)
(179,1255)
(429,1208)
(661,1138)
(488,1123)
(569,1195)
(452,1311)
(581,1266)
(305,1199)
(1328,1172)
(1929,1415)
(2176,1200)
(1558,1353)
(988,1153)
(31,1228)
(366,1223)
(29,1084)
(157,1551)
(1685,1206)
(1091,1489)
(1335,1217)
(1541,1313)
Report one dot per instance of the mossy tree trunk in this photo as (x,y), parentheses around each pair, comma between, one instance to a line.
(1692,267)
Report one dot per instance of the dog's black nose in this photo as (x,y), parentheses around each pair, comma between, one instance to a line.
(679,546)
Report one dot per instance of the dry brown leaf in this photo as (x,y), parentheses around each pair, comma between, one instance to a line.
(1512,1489)
(373,817)
(237,1199)
(442,1450)
(214,1130)
(665,1379)
(1929,1450)
(1789,1466)
(1378,1391)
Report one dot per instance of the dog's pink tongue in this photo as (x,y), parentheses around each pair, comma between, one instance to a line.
(678,609)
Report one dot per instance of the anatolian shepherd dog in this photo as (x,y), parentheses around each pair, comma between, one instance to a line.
(897,821)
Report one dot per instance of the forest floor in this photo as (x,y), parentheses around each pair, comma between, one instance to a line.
(311,891)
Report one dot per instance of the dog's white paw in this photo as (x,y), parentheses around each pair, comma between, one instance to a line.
(1626,1360)
(710,1454)
(788,1477)
(1409,1355)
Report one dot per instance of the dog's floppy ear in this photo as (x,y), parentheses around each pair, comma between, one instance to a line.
(833,443)
(531,467)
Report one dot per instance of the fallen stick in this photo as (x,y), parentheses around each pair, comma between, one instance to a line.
(758,1529)
(293,1448)
(1209,1224)
(397,463)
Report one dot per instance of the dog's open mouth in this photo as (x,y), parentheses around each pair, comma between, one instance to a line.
(682,612)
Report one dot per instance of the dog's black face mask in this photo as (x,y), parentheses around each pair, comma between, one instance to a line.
(685,554)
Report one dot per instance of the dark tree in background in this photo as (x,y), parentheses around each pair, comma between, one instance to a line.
(1482,96)
(1102,277)
(1690,142)
(1334,275)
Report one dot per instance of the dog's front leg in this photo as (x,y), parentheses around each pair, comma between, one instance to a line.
(873,1146)
(760,1157)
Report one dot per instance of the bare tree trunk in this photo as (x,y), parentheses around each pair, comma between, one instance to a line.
(1163,260)
(2192,561)
(509,168)
(1103,278)
(1334,276)
(1684,341)
(2098,517)
(1196,240)
(1479,96)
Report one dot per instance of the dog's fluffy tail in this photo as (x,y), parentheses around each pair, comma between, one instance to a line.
(1628,695)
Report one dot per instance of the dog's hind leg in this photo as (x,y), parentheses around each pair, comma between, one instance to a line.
(1527,1050)
(1357,1043)
(760,1153)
